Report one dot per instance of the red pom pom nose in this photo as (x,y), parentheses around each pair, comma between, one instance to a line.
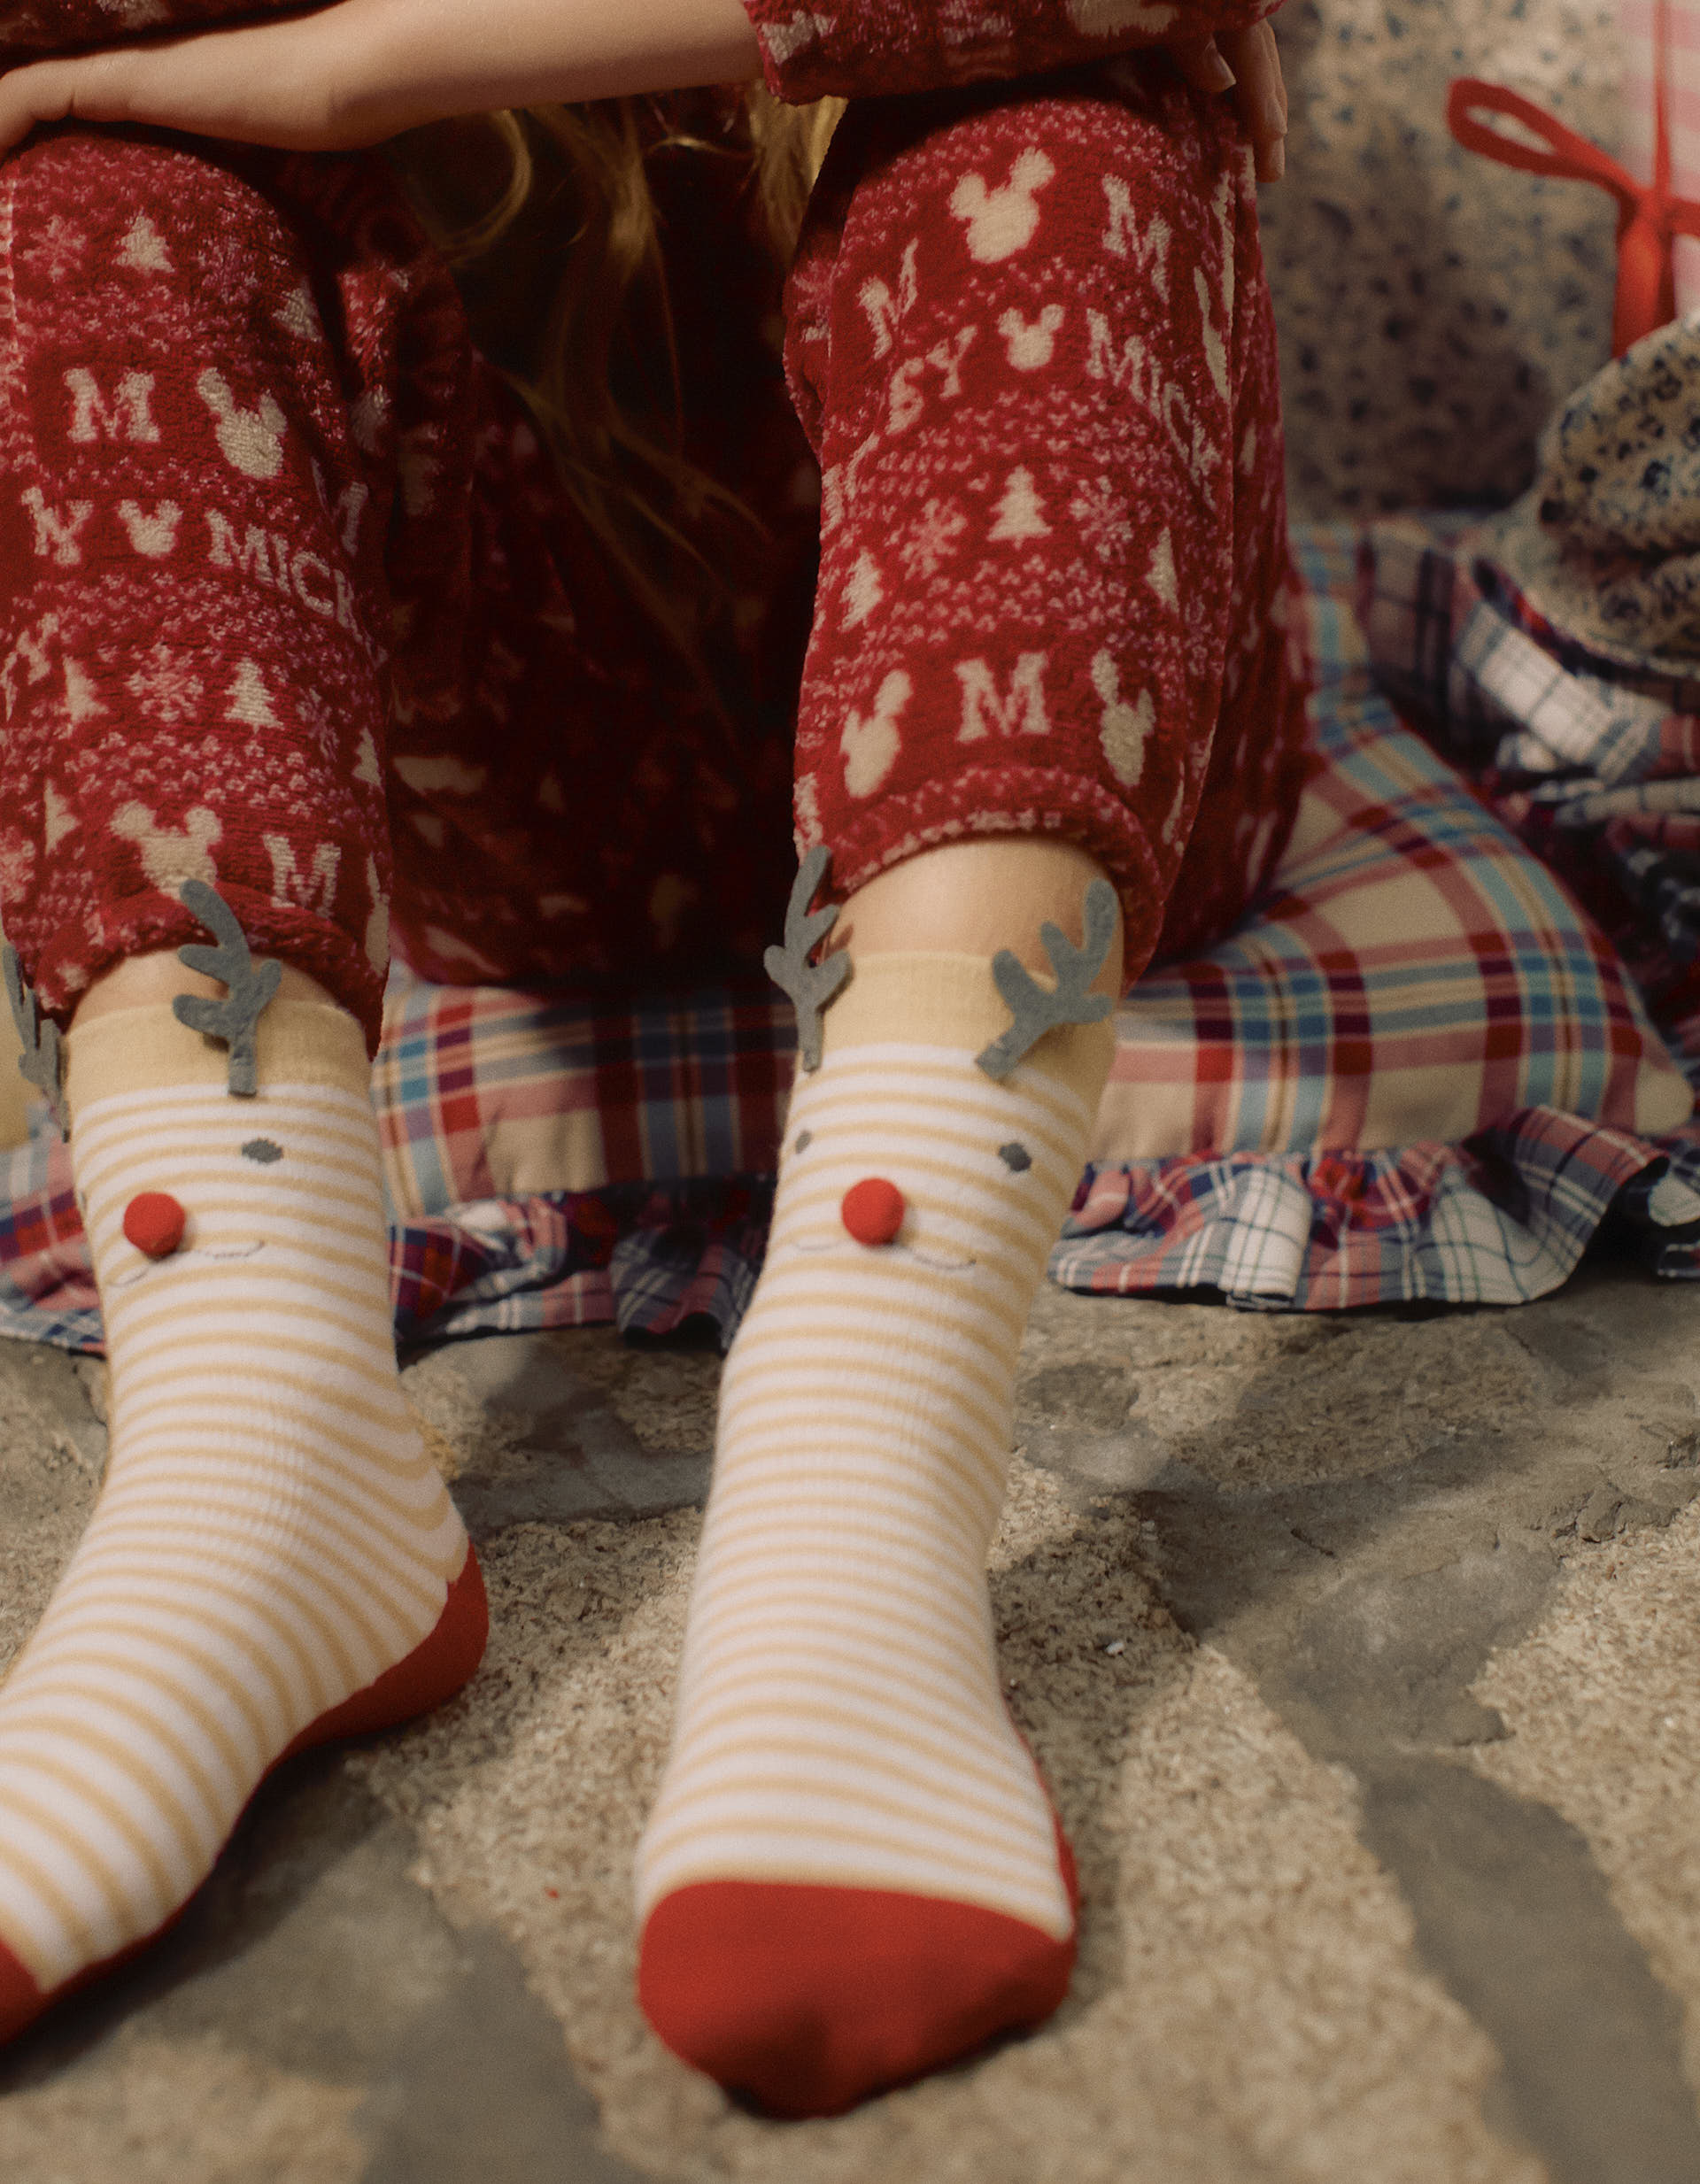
(873,1210)
(154,1222)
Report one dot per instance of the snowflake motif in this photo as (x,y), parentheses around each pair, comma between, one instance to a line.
(417,468)
(58,252)
(811,295)
(933,540)
(1101,513)
(315,716)
(17,862)
(966,23)
(169,686)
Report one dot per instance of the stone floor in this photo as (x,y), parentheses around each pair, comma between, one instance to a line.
(1359,1652)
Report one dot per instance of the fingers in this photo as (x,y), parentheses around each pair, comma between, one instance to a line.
(250,85)
(1246,63)
(1200,60)
(29,96)
(91,87)
(1260,95)
(111,86)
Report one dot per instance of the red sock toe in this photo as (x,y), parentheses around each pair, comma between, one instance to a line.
(808,1998)
(435,1671)
(432,1672)
(21,2001)
(841,1720)
(274,1560)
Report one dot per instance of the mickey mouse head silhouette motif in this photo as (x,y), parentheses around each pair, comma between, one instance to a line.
(250,440)
(1001,220)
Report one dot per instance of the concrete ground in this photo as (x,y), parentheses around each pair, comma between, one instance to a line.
(1360,1654)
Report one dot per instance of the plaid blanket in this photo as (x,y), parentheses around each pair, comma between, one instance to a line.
(1498,1216)
(664,1118)
(1596,769)
(1501,1219)
(1596,766)
(1412,978)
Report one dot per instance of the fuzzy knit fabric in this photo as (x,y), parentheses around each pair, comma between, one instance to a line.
(290,603)
(1032,345)
(873,48)
(852,1872)
(274,1560)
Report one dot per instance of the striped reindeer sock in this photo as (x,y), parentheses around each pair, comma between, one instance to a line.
(272,1559)
(852,1872)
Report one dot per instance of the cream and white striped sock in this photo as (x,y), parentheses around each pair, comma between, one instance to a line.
(273,1559)
(852,1872)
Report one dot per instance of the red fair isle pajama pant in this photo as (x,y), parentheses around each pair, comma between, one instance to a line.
(292,602)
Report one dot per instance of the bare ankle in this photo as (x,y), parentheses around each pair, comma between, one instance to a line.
(974,898)
(143,981)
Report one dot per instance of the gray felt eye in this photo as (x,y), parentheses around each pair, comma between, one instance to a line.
(1014,1156)
(263,1150)
(802,1141)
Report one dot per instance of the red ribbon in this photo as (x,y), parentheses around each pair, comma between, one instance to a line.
(1649,217)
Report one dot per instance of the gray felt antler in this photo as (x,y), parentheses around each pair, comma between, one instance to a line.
(248,985)
(43,1060)
(1037,1009)
(810,985)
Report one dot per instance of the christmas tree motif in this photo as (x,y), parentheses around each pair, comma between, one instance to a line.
(1019,515)
(248,699)
(143,249)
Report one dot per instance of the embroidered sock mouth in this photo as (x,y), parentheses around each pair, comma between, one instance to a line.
(184,1252)
(907,1251)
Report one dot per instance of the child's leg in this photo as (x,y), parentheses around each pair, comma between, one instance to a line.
(194,586)
(1035,339)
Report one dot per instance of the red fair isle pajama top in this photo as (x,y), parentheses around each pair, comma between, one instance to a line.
(292,603)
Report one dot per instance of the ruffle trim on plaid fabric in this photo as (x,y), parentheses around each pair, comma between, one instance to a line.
(1502,1219)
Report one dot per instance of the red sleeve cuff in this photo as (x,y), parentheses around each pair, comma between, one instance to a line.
(65,25)
(871,49)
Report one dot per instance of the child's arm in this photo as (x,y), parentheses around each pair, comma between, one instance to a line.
(359,71)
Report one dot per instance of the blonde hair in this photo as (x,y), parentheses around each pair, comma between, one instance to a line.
(601,374)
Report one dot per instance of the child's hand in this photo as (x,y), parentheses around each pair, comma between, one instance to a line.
(1247,62)
(356,71)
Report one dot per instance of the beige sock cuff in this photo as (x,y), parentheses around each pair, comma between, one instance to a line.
(147,1050)
(953,1001)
